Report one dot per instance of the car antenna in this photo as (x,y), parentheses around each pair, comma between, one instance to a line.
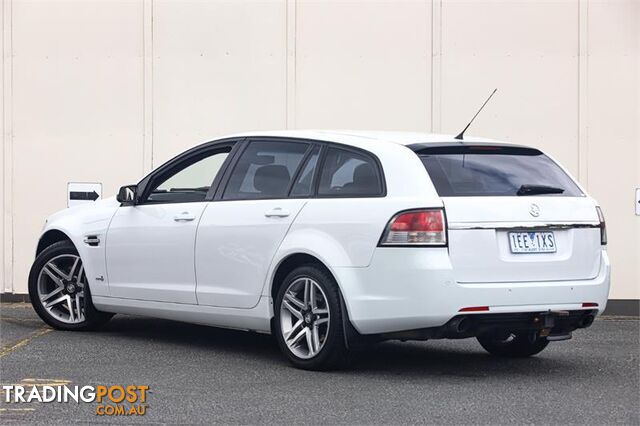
(461,135)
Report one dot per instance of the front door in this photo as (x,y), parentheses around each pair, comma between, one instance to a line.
(150,245)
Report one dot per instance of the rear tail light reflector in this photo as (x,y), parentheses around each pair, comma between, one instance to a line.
(416,228)
(603,227)
(475,309)
(589,305)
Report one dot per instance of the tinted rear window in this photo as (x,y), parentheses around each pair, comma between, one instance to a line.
(471,171)
(265,170)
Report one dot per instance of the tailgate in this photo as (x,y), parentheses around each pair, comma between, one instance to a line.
(482,250)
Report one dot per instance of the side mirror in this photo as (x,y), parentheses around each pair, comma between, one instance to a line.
(127,194)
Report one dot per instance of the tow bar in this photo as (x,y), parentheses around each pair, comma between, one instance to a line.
(548,321)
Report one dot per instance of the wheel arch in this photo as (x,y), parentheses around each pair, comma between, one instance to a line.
(50,237)
(61,233)
(293,260)
(304,246)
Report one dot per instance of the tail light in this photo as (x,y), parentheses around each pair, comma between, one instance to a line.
(603,227)
(416,228)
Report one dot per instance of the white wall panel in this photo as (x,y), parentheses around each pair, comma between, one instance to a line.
(219,67)
(363,65)
(613,139)
(5,281)
(529,51)
(77,88)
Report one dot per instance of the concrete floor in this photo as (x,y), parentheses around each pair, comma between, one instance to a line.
(199,374)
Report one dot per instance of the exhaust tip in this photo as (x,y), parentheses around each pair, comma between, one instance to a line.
(464,325)
(460,325)
(586,321)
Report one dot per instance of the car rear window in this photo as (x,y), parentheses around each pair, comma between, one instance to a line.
(485,170)
(264,170)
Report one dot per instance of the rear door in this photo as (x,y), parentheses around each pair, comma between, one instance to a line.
(513,215)
(241,230)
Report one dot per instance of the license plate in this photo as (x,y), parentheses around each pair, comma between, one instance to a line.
(532,242)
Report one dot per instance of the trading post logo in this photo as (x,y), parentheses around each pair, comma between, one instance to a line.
(117,400)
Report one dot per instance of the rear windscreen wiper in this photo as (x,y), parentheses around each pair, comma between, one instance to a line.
(538,189)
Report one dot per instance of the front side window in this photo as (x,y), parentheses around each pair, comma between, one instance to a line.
(348,173)
(189,183)
(264,170)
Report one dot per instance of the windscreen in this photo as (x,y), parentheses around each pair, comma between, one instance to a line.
(486,170)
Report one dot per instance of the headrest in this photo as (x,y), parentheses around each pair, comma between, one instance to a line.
(364,175)
(271,179)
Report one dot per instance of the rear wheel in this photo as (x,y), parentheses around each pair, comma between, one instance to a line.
(514,345)
(308,320)
(59,291)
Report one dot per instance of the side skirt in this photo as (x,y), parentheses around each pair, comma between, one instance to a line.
(254,319)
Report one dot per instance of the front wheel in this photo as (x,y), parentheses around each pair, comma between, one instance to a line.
(308,320)
(59,291)
(514,345)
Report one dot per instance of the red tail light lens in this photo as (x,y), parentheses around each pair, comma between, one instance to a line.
(416,227)
(603,227)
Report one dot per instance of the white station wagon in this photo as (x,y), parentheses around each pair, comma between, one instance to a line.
(334,239)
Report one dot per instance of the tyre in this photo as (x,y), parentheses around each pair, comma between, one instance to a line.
(514,345)
(59,291)
(308,320)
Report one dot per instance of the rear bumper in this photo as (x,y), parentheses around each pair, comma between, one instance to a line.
(554,325)
(408,289)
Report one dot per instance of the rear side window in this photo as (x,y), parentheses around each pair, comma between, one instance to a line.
(265,170)
(348,173)
(495,171)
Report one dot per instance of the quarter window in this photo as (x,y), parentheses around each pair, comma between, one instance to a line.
(348,173)
(265,170)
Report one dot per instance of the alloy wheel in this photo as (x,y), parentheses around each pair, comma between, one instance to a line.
(304,318)
(61,284)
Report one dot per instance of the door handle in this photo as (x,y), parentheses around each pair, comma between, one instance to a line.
(184,217)
(277,212)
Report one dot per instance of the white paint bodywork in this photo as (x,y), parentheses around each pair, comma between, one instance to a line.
(235,246)
(80,222)
(150,255)
(218,269)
